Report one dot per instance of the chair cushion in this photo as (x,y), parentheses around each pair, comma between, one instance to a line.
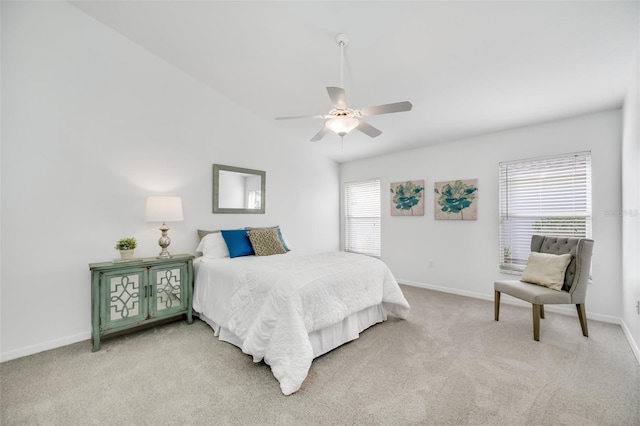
(546,269)
(532,293)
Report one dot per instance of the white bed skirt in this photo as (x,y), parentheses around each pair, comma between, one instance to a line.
(325,339)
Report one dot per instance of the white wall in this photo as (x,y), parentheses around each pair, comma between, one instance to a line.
(92,124)
(631,213)
(464,254)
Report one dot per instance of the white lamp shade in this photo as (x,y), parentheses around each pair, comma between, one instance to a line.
(163,209)
(342,124)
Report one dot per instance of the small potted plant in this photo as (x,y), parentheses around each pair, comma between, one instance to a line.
(126,246)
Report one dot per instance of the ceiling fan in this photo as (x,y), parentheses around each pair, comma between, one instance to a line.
(341,119)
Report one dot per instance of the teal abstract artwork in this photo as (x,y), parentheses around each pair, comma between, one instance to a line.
(407,198)
(456,200)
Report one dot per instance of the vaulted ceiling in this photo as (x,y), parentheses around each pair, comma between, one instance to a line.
(468,67)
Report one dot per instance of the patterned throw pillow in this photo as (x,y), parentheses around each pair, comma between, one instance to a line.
(265,242)
(277,227)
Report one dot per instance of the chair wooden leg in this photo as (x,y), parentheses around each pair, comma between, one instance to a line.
(536,322)
(542,311)
(496,304)
(582,315)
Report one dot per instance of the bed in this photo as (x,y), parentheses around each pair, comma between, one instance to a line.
(286,309)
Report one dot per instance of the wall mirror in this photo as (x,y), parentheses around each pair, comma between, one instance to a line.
(238,190)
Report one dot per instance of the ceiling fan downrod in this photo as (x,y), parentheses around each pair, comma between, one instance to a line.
(342,40)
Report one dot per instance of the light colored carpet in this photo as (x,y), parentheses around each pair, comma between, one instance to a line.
(450,363)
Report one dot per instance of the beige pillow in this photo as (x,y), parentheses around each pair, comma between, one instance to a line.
(546,269)
(203,233)
(265,242)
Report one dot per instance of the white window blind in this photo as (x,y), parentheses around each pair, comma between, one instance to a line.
(362,217)
(544,196)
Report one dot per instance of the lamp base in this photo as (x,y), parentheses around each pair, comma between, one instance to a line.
(164,242)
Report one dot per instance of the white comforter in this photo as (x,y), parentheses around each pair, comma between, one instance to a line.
(272,303)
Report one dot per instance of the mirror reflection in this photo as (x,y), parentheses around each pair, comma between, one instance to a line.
(238,190)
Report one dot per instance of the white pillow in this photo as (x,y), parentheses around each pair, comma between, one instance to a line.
(213,246)
(546,269)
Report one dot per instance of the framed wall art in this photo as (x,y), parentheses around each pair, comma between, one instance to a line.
(407,198)
(456,200)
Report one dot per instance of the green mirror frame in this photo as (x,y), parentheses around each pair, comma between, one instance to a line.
(217,168)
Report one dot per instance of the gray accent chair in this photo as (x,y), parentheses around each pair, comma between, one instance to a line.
(574,290)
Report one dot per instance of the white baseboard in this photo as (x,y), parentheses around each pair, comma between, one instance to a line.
(446,289)
(52,344)
(45,346)
(560,309)
(632,343)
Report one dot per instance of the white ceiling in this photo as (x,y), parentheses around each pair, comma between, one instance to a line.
(468,67)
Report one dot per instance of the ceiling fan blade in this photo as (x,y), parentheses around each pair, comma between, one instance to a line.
(300,116)
(386,109)
(338,97)
(320,134)
(368,129)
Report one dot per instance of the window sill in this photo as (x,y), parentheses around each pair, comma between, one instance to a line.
(510,271)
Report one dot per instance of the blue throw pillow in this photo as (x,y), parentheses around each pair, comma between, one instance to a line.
(282,240)
(237,242)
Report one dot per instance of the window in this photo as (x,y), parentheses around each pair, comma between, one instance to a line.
(544,196)
(253,199)
(362,217)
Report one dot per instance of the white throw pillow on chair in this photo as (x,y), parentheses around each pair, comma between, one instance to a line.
(546,269)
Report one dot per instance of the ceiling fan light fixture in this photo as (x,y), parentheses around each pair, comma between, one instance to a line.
(342,125)
(341,118)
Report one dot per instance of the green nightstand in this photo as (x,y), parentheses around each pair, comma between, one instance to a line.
(134,293)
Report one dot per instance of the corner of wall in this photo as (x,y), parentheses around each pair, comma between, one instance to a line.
(630,212)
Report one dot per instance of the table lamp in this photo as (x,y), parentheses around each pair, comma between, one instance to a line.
(164,209)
